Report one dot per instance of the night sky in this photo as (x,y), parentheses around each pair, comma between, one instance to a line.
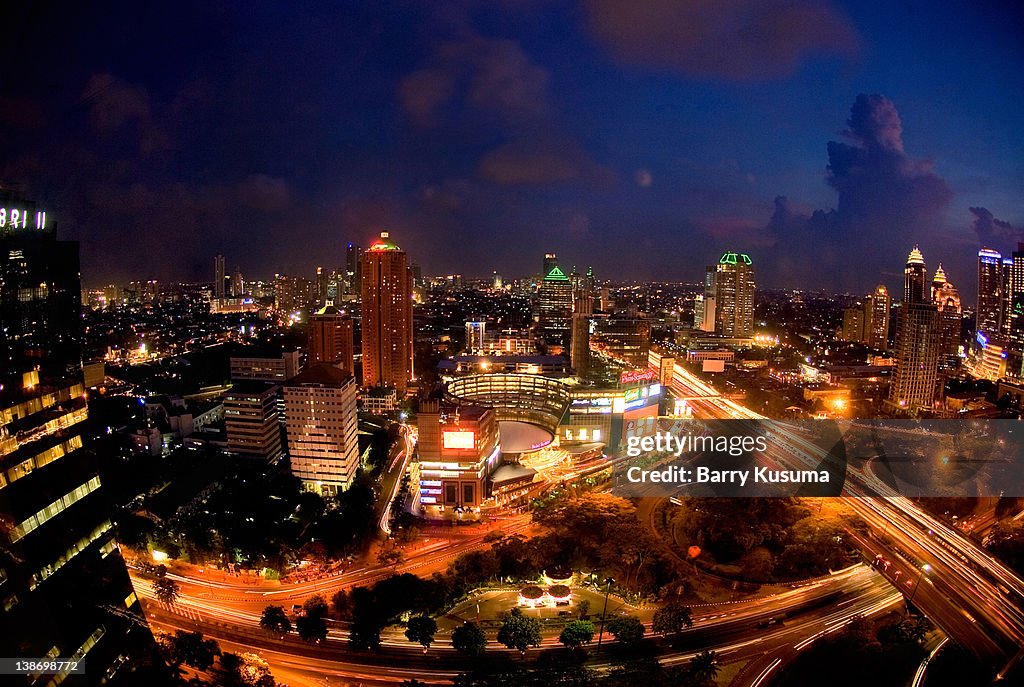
(643,138)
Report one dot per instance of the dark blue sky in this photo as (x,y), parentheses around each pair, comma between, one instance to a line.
(641,137)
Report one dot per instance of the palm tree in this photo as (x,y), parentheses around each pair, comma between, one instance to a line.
(704,667)
(167,590)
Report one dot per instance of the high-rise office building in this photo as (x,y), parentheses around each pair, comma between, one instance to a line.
(991,296)
(353,268)
(915,276)
(1006,303)
(554,302)
(1015,301)
(853,323)
(626,339)
(582,310)
(947,301)
(734,295)
(550,263)
(40,292)
(64,588)
(292,294)
(251,420)
(387,315)
(219,277)
(237,283)
(320,423)
(331,339)
(915,383)
(877,308)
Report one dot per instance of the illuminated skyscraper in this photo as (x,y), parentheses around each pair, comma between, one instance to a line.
(917,344)
(734,295)
(550,263)
(320,423)
(219,276)
(386,315)
(704,305)
(877,309)
(353,268)
(947,300)
(64,588)
(1015,301)
(237,283)
(582,310)
(938,281)
(40,292)
(853,323)
(331,339)
(555,309)
(991,294)
(1004,313)
(915,275)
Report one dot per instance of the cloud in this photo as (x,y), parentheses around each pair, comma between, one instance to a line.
(264,193)
(886,202)
(734,39)
(114,103)
(423,91)
(534,163)
(514,165)
(993,232)
(643,178)
(490,74)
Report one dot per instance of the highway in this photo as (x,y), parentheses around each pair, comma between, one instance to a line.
(970,595)
(736,630)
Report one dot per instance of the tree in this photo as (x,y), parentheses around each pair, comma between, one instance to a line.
(519,632)
(421,628)
(577,633)
(310,625)
(1006,541)
(311,628)
(192,649)
(584,608)
(390,558)
(274,619)
(627,629)
(469,639)
(672,619)
(315,606)
(167,590)
(704,667)
(342,604)
(246,670)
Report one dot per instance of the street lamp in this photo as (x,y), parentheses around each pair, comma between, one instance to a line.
(924,568)
(608,588)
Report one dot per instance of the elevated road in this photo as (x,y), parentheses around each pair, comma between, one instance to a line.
(965,591)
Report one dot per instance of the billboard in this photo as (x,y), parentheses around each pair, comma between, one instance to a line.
(459,440)
(634,376)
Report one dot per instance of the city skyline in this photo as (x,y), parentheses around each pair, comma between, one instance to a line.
(451,126)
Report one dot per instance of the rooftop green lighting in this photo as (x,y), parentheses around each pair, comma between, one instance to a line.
(556,275)
(732,258)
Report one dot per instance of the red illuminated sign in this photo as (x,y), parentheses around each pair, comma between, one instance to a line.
(459,440)
(634,376)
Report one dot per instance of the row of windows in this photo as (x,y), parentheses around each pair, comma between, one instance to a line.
(42,402)
(39,460)
(60,505)
(73,550)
